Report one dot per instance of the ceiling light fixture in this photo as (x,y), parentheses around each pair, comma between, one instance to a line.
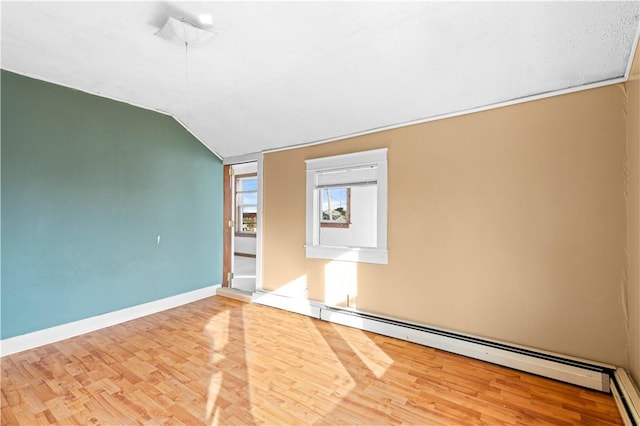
(184,32)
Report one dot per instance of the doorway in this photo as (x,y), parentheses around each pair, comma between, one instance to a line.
(241,217)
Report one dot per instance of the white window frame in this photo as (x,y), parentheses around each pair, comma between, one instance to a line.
(313,248)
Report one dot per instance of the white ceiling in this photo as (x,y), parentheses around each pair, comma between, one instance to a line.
(285,73)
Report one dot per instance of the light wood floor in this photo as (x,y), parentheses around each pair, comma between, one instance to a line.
(219,361)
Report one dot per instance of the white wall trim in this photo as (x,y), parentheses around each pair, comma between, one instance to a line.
(239,159)
(32,340)
(351,159)
(259,237)
(348,254)
(453,114)
(565,368)
(232,293)
(299,306)
(634,48)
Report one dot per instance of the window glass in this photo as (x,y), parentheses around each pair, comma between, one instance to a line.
(248,218)
(247,204)
(248,184)
(358,227)
(334,205)
(250,198)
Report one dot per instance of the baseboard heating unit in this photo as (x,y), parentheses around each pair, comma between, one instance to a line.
(627,397)
(580,372)
(594,376)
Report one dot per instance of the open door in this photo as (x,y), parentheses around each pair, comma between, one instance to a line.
(241,226)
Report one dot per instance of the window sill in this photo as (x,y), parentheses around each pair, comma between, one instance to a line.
(348,254)
(334,225)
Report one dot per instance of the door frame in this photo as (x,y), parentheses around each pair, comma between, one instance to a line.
(229,228)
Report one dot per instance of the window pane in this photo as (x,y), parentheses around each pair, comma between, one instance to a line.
(334,204)
(248,219)
(246,203)
(360,230)
(247,184)
(249,198)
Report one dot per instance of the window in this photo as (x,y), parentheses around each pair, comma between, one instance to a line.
(347,207)
(247,204)
(335,206)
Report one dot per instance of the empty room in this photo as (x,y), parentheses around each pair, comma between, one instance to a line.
(292,213)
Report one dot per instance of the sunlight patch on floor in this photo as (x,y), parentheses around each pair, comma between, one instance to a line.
(293,371)
(369,352)
(218,331)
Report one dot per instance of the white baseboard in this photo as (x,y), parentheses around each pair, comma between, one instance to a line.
(299,306)
(627,397)
(586,373)
(32,340)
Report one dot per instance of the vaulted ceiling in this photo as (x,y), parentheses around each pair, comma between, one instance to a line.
(279,74)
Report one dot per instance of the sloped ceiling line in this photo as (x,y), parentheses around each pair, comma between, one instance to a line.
(283,74)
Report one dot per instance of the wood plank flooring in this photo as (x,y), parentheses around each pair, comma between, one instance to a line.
(218,361)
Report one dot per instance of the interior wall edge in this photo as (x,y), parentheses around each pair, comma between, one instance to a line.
(631,293)
(88,92)
(192,133)
(116,99)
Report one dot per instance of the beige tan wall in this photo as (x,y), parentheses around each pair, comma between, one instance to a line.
(508,224)
(633,215)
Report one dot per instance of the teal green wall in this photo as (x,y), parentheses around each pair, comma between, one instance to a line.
(88,184)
